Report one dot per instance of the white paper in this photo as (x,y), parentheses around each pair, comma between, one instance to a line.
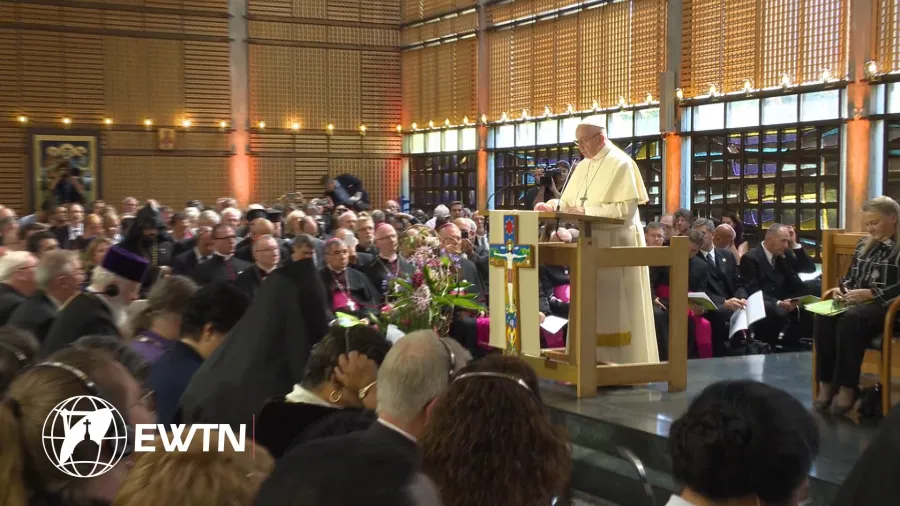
(394,334)
(755,311)
(697,297)
(553,324)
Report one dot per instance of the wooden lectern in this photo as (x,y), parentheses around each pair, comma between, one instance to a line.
(579,365)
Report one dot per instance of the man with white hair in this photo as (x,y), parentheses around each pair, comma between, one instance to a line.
(207,219)
(59,276)
(266,256)
(232,217)
(415,373)
(259,228)
(607,183)
(17,281)
(101,308)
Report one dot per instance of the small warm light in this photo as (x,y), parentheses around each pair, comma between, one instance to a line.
(547,110)
(503,117)
(785,80)
(295,126)
(186,123)
(465,120)
(649,98)
(399,129)
(223,124)
(362,129)
(621,101)
(826,75)
(595,105)
(570,108)
(108,121)
(524,113)
(67,121)
(148,122)
(431,123)
(679,94)
(713,90)
(330,127)
(415,126)
(484,118)
(748,86)
(261,125)
(871,69)
(23,119)
(446,122)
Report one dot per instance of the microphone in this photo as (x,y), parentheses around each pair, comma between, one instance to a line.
(500,190)
(563,189)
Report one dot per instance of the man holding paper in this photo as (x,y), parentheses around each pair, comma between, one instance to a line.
(772,267)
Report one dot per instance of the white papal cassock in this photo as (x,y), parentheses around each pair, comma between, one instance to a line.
(610,185)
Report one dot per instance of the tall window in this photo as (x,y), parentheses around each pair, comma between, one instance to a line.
(768,173)
(441,179)
(519,148)
(892,159)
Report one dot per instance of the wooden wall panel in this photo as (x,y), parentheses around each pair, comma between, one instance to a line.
(345,71)
(127,60)
(440,82)
(598,54)
(416,10)
(729,41)
(888,34)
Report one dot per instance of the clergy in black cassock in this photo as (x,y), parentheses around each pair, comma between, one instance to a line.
(223,266)
(266,352)
(464,327)
(348,290)
(387,263)
(101,309)
(266,255)
(148,238)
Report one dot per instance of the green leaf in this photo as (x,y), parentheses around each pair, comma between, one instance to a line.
(445,261)
(464,303)
(347,320)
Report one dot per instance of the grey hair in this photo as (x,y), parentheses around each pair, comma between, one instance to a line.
(11,262)
(415,372)
(706,223)
(774,229)
(192,212)
(682,213)
(697,237)
(653,225)
(210,218)
(101,278)
(232,210)
(303,240)
(53,264)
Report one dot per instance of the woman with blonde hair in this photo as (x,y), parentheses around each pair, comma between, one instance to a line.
(93,257)
(196,477)
(867,289)
(157,326)
(27,475)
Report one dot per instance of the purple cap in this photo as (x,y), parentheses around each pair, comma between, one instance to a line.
(125,264)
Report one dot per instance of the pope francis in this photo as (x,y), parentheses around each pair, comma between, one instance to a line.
(608,183)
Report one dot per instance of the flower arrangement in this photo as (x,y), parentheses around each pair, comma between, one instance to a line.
(427,298)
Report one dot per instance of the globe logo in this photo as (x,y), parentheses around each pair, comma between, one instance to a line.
(77,431)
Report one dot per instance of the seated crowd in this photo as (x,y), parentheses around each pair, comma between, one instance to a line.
(218,316)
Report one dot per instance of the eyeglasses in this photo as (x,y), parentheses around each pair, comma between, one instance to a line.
(584,141)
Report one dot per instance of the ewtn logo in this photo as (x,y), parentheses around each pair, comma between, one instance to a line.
(92,421)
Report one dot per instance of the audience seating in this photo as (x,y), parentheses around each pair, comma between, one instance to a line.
(882,359)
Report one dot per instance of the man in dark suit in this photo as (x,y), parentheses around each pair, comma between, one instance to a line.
(101,309)
(259,228)
(223,266)
(307,247)
(59,277)
(17,281)
(723,285)
(772,267)
(388,263)
(266,256)
(185,263)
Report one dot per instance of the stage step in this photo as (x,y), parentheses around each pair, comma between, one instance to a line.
(601,472)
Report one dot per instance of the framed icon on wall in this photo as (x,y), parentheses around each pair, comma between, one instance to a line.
(64,164)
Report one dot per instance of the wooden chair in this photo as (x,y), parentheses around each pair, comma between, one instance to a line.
(837,254)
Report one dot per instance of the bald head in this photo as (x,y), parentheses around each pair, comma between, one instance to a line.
(343,234)
(723,236)
(451,238)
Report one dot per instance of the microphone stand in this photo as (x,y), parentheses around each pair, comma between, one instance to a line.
(563,189)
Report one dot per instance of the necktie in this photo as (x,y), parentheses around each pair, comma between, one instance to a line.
(710,261)
(229,271)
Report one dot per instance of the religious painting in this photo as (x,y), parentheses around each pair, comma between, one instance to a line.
(66,165)
(166,139)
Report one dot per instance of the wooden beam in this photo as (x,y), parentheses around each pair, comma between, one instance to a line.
(82,30)
(631,374)
(322,22)
(322,45)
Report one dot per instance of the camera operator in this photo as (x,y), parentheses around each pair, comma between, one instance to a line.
(550,184)
(67,187)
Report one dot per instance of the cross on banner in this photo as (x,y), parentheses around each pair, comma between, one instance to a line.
(512,257)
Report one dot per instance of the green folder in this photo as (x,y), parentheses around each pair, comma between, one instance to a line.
(827,307)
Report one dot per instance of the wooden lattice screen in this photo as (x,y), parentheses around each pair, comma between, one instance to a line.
(726,42)
(888,34)
(599,54)
(127,61)
(320,62)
